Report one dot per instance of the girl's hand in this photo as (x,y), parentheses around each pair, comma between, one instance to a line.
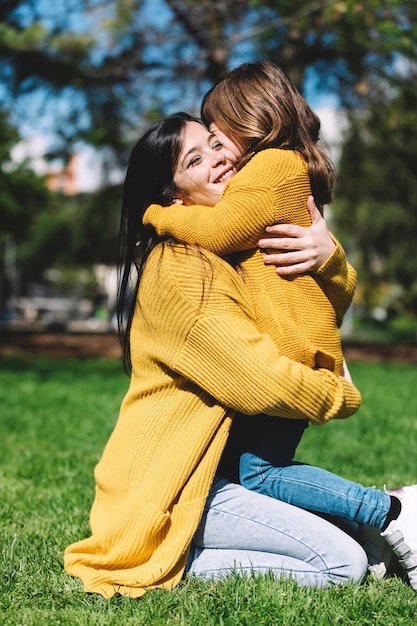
(298,249)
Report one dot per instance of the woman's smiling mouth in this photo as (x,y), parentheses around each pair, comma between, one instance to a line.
(226,175)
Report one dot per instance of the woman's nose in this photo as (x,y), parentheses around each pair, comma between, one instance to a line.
(219,158)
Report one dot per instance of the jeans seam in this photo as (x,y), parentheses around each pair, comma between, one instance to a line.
(286,534)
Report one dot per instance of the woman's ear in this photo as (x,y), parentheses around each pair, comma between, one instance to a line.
(177,201)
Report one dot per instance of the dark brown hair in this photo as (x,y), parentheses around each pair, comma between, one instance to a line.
(149,179)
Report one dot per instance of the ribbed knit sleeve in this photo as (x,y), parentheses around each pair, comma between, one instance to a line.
(339,281)
(258,379)
(224,353)
(273,187)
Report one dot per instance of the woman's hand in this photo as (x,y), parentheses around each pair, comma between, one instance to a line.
(299,249)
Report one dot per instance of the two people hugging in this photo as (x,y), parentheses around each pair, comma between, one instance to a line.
(233,345)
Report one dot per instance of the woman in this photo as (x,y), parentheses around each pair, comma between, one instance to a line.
(197,359)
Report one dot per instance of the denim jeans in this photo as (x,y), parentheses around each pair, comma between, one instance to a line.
(268,468)
(242,531)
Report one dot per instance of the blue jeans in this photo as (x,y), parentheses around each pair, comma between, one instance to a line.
(242,531)
(268,468)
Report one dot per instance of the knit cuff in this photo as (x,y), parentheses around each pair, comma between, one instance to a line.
(334,263)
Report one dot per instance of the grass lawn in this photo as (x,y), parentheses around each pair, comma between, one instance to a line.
(55,419)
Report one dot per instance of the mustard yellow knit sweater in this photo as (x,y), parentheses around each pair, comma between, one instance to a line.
(301,313)
(197,358)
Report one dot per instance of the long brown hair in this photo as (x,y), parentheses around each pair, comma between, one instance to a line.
(258,106)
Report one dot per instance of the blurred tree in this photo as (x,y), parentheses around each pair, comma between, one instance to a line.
(103,69)
(128,61)
(343,47)
(40,228)
(98,225)
(376,197)
(20,191)
(76,231)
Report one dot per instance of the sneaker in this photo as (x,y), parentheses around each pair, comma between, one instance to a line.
(401,533)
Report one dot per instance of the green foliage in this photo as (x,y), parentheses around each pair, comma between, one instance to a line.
(97,220)
(105,70)
(120,59)
(348,44)
(376,206)
(50,229)
(56,418)
(23,198)
(22,195)
(73,231)
(20,188)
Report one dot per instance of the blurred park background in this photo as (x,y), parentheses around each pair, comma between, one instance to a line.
(81,80)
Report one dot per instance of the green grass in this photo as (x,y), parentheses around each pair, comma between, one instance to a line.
(55,419)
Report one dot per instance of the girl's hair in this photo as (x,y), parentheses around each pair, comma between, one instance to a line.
(257,105)
(149,179)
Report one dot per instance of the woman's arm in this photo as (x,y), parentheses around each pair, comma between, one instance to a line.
(214,343)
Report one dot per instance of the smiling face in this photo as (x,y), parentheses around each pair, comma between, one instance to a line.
(233,147)
(204,166)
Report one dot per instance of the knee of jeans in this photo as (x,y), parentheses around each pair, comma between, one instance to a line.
(250,471)
(358,564)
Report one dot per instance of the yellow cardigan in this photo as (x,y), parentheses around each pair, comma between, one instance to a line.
(197,358)
(301,313)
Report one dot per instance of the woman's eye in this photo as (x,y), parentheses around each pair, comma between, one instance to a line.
(194,161)
(217,145)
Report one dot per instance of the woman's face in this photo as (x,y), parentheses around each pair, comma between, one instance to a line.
(204,166)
